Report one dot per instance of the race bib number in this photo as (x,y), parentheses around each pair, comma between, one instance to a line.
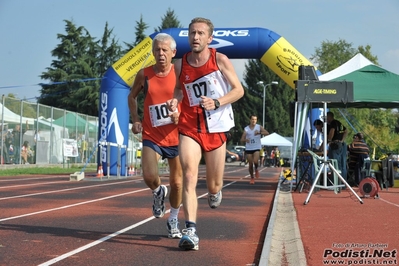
(199,88)
(159,115)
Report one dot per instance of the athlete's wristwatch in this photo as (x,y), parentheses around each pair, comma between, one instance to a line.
(217,104)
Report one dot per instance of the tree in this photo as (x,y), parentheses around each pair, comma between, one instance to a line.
(277,98)
(333,54)
(80,59)
(169,21)
(141,26)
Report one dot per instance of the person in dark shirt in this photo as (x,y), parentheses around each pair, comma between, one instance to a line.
(336,135)
(358,152)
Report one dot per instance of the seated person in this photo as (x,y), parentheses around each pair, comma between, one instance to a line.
(26,152)
(358,152)
(318,136)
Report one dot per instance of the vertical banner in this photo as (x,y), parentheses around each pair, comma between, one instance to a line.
(114,109)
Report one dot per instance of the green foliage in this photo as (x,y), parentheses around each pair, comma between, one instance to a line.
(169,20)
(333,54)
(277,98)
(78,57)
(141,26)
(378,126)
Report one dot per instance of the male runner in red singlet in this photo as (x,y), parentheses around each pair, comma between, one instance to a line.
(159,129)
(206,116)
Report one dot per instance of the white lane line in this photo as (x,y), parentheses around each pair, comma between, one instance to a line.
(71,205)
(394,204)
(92,244)
(66,189)
(35,184)
(101,240)
(16,179)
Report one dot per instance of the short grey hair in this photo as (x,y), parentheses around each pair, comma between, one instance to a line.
(203,20)
(163,37)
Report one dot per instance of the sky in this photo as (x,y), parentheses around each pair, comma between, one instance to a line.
(29,28)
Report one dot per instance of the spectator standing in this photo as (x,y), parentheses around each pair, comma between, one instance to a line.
(272,158)
(277,157)
(336,135)
(262,156)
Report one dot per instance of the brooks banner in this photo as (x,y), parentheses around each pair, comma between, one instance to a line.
(237,43)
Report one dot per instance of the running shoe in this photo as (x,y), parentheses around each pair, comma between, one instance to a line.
(252,181)
(189,240)
(158,208)
(173,228)
(214,200)
(257,173)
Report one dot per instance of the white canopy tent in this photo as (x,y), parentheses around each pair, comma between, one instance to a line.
(275,139)
(355,63)
(285,146)
(11,117)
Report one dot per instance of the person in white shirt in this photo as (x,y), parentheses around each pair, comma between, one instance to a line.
(251,136)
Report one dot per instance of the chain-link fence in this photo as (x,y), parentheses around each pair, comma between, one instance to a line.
(32,133)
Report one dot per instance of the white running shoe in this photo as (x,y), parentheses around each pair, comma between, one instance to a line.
(158,208)
(173,228)
(189,241)
(214,200)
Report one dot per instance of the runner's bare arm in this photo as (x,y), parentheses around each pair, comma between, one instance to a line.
(178,93)
(227,68)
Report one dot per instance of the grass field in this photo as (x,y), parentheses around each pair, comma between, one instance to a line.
(48,170)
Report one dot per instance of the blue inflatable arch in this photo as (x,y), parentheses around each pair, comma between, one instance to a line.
(237,43)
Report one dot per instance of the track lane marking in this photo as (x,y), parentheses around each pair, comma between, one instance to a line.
(103,239)
(35,184)
(30,178)
(391,203)
(71,205)
(67,189)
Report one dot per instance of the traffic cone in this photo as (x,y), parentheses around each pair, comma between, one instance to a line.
(100,171)
(131,170)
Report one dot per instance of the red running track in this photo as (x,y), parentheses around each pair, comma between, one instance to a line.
(47,220)
(336,228)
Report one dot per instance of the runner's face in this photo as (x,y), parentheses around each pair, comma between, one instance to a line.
(199,37)
(254,119)
(162,52)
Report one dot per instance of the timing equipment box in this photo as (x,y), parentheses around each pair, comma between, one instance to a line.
(324,91)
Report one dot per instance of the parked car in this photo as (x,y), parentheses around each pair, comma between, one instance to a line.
(231,156)
(239,153)
(238,148)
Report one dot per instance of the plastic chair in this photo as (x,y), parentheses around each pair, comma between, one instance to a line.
(317,161)
(381,173)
